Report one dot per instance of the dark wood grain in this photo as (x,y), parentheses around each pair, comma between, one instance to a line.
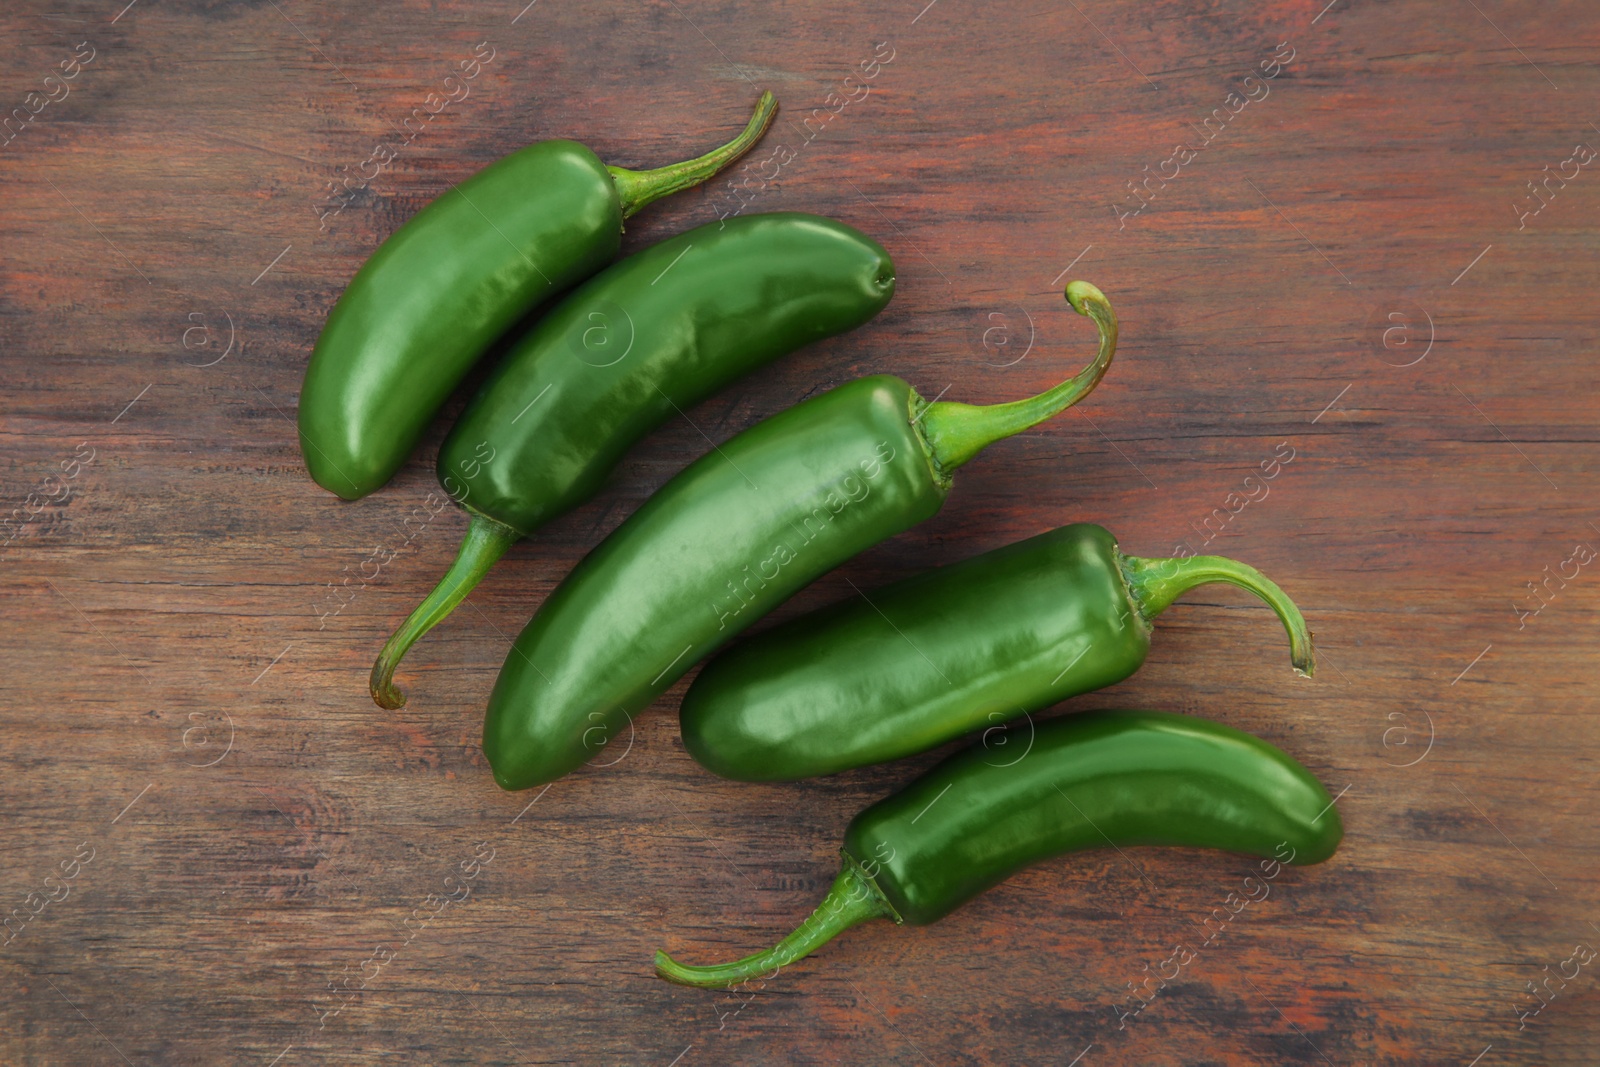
(173,706)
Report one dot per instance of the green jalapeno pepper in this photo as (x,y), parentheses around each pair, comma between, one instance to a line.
(971,645)
(731,537)
(646,338)
(1116,778)
(424,308)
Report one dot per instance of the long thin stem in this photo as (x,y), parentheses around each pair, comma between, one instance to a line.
(957,432)
(486,541)
(636,188)
(852,899)
(1156,583)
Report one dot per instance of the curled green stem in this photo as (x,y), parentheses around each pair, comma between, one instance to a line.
(637,188)
(852,899)
(957,432)
(1156,583)
(486,541)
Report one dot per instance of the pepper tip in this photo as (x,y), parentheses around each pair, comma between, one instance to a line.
(670,970)
(1081,293)
(381,685)
(1304,659)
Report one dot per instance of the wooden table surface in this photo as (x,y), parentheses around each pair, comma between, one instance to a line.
(1345,267)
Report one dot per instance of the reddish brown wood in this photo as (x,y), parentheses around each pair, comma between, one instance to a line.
(169,605)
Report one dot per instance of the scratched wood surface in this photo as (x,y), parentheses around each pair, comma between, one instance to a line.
(216,849)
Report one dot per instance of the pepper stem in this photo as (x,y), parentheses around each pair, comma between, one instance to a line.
(852,899)
(957,432)
(1156,583)
(637,188)
(486,541)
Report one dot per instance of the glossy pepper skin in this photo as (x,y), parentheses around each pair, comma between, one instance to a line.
(1117,778)
(728,539)
(903,669)
(638,343)
(422,310)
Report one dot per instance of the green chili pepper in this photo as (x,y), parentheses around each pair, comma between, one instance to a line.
(971,645)
(730,538)
(1101,778)
(648,337)
(424,308)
